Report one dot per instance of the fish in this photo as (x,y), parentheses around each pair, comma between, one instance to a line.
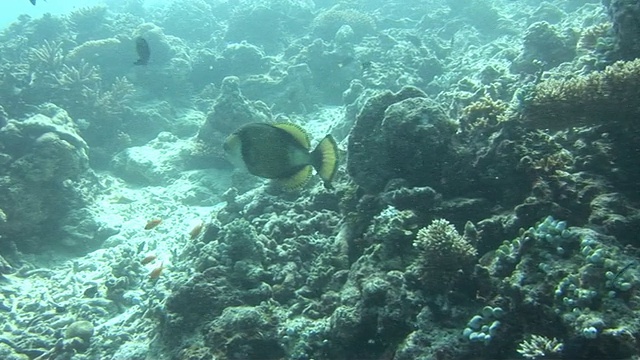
(90,292)
(152,223)
(345,61)
(281,152)
(156,272)
(147,259)
(142,48)
(196,230)
(33,2)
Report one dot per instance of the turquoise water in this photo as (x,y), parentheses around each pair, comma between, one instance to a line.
(282,179)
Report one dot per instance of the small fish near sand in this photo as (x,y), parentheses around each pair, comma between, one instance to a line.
(143,50)
(196,230)
(33,2)
(281,152)
(152,224)
(156,272)
(147,259)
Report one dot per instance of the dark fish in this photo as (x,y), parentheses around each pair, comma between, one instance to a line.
(281,152)
(33,2)
(142,48)
(366,65)
(90,292)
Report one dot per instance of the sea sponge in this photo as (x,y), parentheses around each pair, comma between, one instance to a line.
(605,96)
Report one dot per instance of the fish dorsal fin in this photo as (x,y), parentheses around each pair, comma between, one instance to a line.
(297,132)
(297,180)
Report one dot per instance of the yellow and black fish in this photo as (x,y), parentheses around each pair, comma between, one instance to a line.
(282,152)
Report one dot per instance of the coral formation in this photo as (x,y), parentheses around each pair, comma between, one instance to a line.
(402,135)
(327,23)
(56,155)
(539,346)
(442,254)
(625,16)
(543,48)
(488,115)
(601,97)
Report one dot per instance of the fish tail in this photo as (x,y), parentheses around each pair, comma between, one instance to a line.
(325,159)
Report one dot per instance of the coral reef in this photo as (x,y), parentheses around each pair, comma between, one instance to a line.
(489,115)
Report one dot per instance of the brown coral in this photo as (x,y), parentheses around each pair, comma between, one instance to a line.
(604,96)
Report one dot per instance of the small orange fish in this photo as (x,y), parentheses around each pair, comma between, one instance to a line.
(152,223)
(196,230)
(148,259)
(156,272)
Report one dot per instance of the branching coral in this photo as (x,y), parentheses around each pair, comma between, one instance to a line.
(442,252)
(48,56)
(485,112)
(605,96)
(539,346)
(82,76)
(112,101)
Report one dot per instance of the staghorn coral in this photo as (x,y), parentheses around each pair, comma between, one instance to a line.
(600,97)
(48,56)
(83,76)
(113,100)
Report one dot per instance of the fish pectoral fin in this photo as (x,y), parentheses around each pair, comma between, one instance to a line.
(325,159)
(297,180)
